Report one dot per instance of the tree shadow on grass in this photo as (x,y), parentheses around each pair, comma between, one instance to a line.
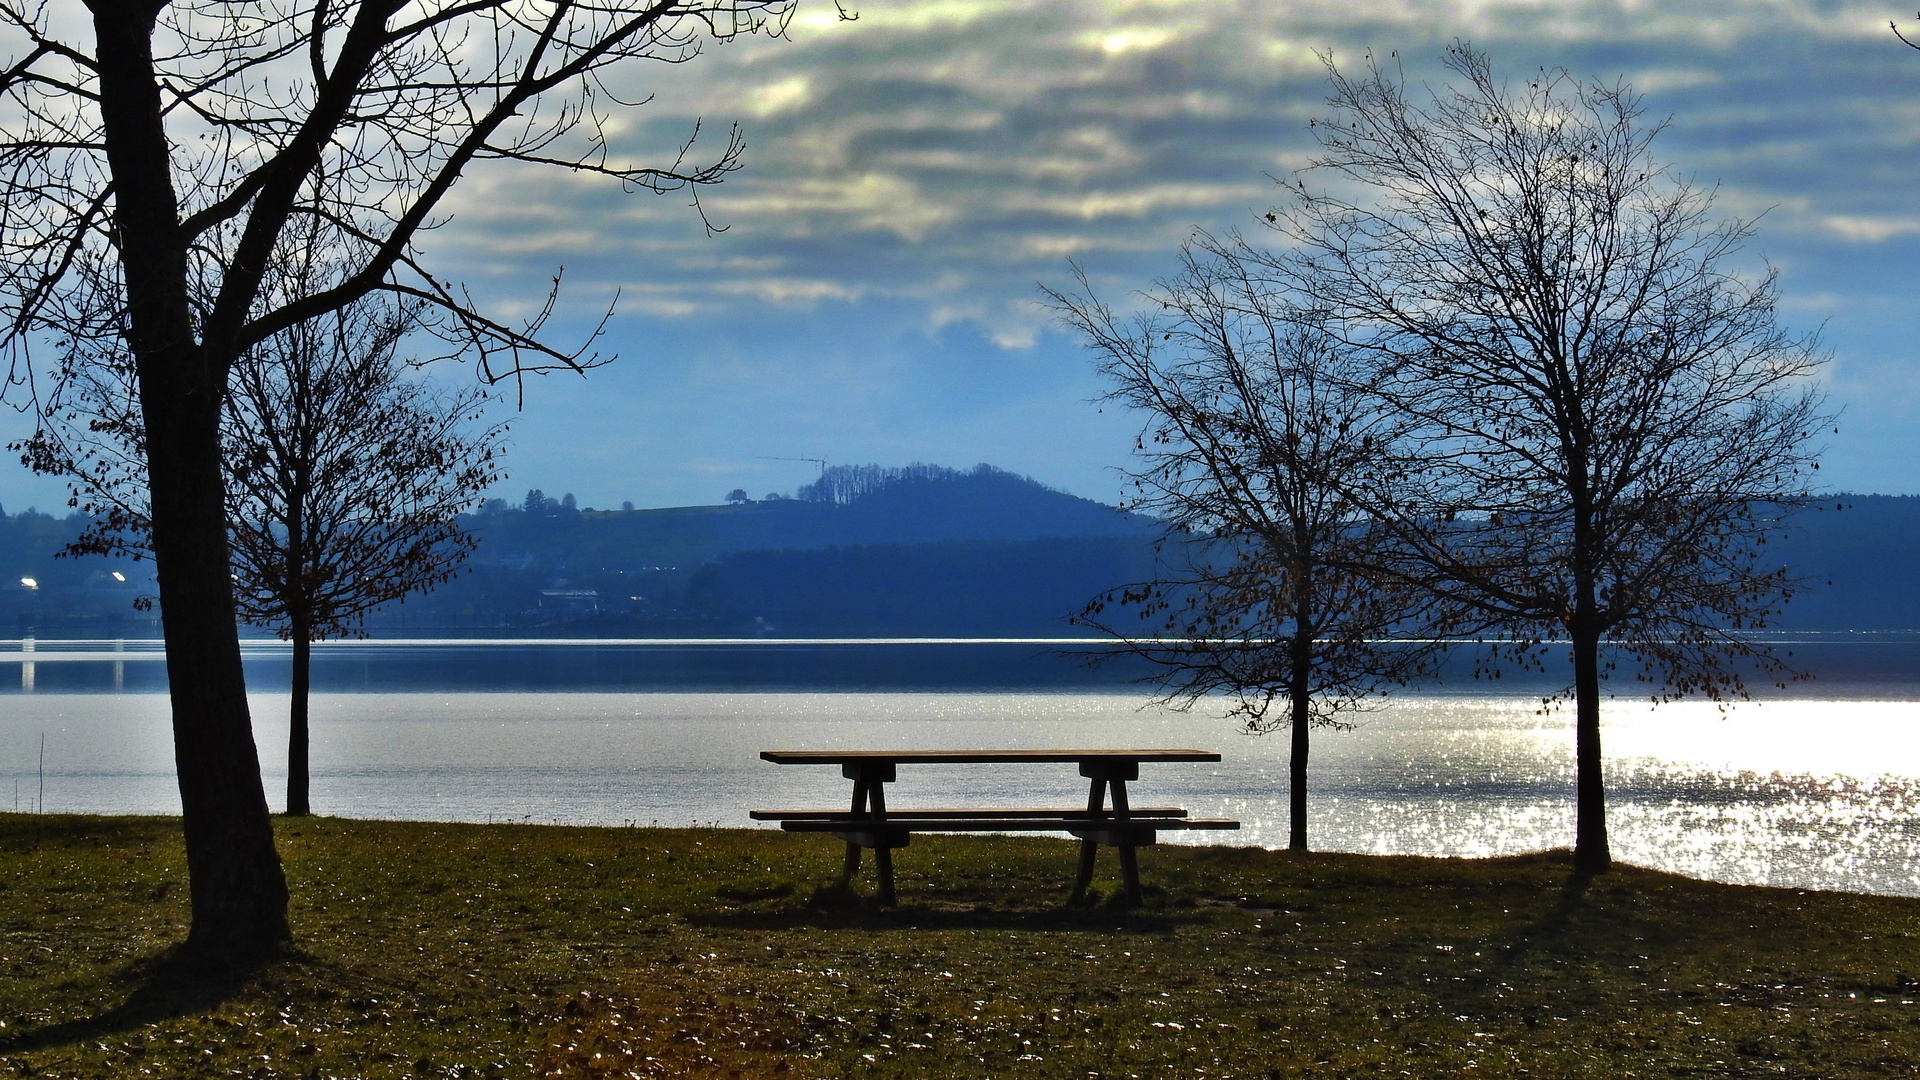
(1565,953)
(26,832)
(1556,923)
(168,985)
(1581,922)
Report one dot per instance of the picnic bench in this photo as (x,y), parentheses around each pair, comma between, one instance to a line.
(1107,818)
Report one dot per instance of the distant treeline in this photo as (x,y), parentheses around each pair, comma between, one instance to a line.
(920,551)
(87,597)
(844,485)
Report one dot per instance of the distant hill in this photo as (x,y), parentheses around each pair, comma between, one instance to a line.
(922,505)
(534,570)
(917,551)
(93,595)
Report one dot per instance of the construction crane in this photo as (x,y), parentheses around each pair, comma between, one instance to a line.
(822,462)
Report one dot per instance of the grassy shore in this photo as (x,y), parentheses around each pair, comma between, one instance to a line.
(512,950)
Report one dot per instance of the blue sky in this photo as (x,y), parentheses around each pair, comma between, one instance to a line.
(913,175)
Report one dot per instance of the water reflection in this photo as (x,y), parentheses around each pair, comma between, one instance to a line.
(1803,793)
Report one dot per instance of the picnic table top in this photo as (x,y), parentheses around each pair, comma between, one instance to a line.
(977,757)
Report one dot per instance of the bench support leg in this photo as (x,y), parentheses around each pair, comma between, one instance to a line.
(1129,866)
(1096,802)
(1097,794)
(883,862)
(870,797)
(851,866)
(882,854)
(1085,877)
(1130,872)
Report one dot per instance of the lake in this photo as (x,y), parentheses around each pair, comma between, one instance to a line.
(1813,787)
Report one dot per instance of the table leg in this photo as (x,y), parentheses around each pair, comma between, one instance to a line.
(882,854)
(1096,801)
(1129,866)
(852,864)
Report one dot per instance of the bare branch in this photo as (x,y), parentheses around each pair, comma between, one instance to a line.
(1602,423)
(152,181)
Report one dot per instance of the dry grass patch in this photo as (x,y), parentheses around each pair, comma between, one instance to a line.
(433,950)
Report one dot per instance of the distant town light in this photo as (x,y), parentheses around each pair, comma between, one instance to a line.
(118,576)
(29,583)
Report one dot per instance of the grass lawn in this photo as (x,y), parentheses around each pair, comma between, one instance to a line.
(514,950)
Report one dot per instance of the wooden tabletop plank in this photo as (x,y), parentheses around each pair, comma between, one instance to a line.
(977,757)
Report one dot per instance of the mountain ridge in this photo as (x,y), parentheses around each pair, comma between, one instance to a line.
(918,551)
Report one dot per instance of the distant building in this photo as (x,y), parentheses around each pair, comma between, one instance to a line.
(570,602)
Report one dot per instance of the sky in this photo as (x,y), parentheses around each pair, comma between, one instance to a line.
(915,175)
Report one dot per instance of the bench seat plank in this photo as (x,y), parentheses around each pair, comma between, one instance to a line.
(933,814)
(1000,824)
(978,757)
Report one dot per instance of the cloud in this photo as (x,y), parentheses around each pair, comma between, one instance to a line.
(790,290)
(1126,39)
(1135,202)
(779,97)
(1870,230)
(952,153)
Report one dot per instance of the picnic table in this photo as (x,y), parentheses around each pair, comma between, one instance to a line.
(1107,819)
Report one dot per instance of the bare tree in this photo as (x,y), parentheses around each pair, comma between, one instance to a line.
(1603,420)
(156,155)
(346,479)
(1257,424)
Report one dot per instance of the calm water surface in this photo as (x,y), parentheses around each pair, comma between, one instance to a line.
(1820,788)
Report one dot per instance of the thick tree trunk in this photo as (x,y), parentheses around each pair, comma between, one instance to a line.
(1591,854)
(297,804)
(238,889)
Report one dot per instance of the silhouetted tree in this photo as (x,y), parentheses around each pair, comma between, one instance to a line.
(346,480)
(156,156)
(1601,420)
(1257,422)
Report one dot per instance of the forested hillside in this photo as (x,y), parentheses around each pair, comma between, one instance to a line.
(954,588)
(908,552)
(92,596)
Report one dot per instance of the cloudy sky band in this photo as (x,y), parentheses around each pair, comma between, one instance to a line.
(912,175)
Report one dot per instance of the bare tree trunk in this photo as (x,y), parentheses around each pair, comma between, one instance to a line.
(297,739)
(1590,851)
(1300,707)
(299,607)
(239,891)
(1297,773)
